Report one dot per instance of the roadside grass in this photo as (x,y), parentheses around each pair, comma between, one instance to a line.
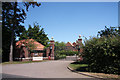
(22,62)
(83,67)
(79,67)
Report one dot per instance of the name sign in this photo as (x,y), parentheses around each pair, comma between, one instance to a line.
(37,58)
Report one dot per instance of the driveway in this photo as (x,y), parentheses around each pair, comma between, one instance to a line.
(48,69)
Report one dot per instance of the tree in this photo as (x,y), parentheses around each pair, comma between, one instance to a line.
(37,33)
(60,43)
(108,31)
(102,53)
(29,43)
(13,16)
(7,13)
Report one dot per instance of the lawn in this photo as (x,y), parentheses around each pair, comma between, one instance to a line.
(78,66)
(21,62)
(83,68)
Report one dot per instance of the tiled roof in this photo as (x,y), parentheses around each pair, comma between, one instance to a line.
(38,45)
(69,43)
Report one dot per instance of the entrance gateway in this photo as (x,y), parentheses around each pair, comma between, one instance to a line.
(71,51)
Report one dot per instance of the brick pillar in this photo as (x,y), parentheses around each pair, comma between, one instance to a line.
(52,45)
(80,43)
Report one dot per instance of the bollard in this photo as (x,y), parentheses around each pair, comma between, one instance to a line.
(49,58)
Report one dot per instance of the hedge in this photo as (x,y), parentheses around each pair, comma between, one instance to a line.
(103,54)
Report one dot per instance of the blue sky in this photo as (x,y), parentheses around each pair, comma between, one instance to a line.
(65,21)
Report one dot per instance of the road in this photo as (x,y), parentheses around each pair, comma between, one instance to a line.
(48,69)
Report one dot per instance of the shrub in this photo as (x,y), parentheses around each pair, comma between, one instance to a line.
(62,54)
(67,53)
(102,54)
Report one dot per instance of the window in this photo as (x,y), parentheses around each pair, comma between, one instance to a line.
(35,54)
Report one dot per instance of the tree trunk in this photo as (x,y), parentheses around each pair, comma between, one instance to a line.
(12,36)
(11,47)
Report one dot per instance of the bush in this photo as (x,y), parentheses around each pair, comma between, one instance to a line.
(62,54)
(67,53)
(102,54)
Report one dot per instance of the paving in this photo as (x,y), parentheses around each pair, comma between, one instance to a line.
(48,69)
(70,58)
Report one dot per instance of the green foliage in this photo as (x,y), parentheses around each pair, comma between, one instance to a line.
(60,46)
(13,16)
(21,62)
(37,33)
(61,50)
(108,31)
(60,56)
(67,53)
(57,43)
(78,66)
(63,53)
(102,54)
(29,44)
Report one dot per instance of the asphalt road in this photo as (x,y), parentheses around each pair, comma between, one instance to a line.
(48,69)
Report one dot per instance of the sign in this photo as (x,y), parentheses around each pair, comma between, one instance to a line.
(37,58)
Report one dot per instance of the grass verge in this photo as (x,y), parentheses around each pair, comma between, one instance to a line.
(83,68)
(78,66)
(21,62)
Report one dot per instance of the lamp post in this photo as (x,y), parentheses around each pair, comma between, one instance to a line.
(78,49)
(50,52)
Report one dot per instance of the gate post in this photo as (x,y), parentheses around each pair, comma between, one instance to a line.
(52,43)
(80,43)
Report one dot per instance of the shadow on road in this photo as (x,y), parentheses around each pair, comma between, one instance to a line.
(17,77)
(4,75)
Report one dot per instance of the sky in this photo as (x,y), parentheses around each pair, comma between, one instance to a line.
(65,21)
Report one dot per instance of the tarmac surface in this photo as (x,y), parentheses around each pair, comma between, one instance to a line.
(48,69)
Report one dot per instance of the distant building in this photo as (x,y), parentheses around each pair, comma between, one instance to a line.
(75,46)
(70,46)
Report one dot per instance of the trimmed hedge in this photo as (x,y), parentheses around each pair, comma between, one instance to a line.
(103,54)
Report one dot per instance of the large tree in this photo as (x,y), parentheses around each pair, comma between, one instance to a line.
(108,32)
(57,43)
(13,16)
(36,33)
(60,45)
